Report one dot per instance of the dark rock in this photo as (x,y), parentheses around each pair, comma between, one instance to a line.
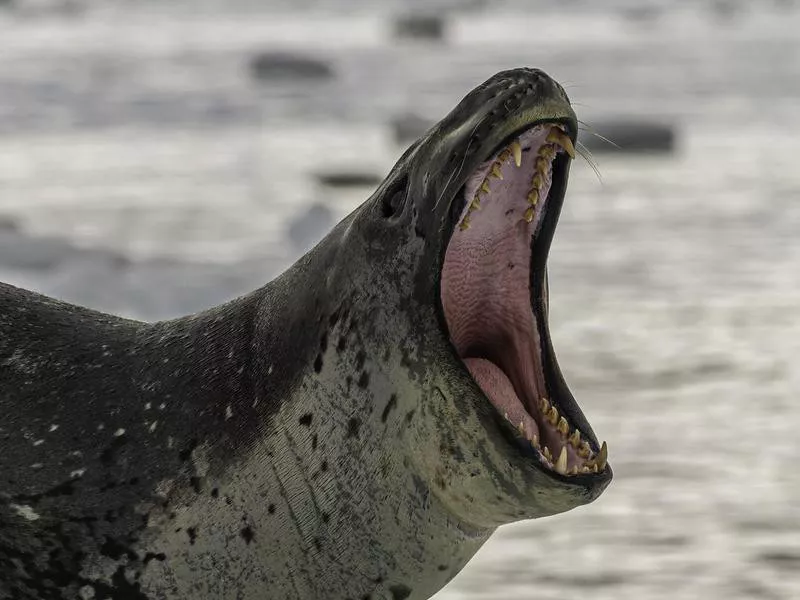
(419,27)
(282,66)
(629,136)
(348,179)
(409,128)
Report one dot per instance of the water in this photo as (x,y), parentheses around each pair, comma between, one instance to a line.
(149,175)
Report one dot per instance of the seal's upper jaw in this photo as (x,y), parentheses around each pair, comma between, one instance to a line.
(494,298)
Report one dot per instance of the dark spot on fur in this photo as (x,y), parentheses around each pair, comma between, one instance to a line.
(247,534)
(333,319)
(363,380)
(323,342)
(192,533)
(361,358)
(409,416)
(390,406)
(442,567)
(325,517)
(160,557)
(215,493)
(348,381)
(187,452)
(353,426)
(114,550)
(324,466)
(314,442)
(318,363)
(400,592)
(341,344)
(133,481)
(317,544)
(108,455)
(271,509)
(306,419)
(197,484)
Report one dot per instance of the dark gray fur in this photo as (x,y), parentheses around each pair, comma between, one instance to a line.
(317,438)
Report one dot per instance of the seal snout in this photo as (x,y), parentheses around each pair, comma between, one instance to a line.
(494,296)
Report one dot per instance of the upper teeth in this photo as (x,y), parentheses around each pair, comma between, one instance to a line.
(556,138)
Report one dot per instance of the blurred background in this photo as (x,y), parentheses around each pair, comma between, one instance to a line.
(157,158)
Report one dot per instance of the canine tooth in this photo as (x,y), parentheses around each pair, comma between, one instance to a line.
(552,416)
(561,463)
(537,180)
(563,426)
(521,428)
(562,139)
(496,171)
(528,216)
(534,441)
(575,439)
(485,186)
(533,197)
(547,454)
(516,150)
(602,457)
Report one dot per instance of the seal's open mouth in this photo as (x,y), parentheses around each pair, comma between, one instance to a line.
(494,295)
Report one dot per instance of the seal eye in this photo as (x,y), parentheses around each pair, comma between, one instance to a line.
(394,200)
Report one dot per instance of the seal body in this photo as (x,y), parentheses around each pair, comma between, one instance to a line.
(317,438)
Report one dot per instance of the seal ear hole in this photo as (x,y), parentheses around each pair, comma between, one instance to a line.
(394,200)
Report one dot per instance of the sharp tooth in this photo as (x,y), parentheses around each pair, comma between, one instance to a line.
(563,426)
(585,469)
(548,151)
(516,150)
(573,470)
(533,197)
(521,428)
(505,414)
(575,439)
(529,212)
(464,223)
(485,186)
(547,454)
(595,468)
(602,457)
(542,164)
(496,171)
(585,450)
(476,203)
(552,416)
(562,139)
(544,404)
(535,441)
(561,463)
(537,181)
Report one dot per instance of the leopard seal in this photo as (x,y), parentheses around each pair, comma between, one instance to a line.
(356,428)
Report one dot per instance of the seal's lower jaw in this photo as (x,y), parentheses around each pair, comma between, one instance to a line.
(494,299)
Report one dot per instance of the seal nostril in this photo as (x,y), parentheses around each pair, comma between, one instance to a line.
(393,203)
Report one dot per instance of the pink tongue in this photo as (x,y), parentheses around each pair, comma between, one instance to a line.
(496,385)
